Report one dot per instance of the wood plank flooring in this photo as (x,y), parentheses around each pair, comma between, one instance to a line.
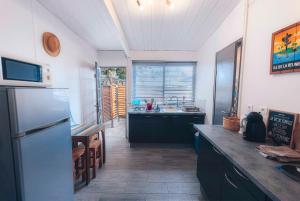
(143,173)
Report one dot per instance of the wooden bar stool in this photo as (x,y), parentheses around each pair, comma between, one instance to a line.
(79,164)
(95,150)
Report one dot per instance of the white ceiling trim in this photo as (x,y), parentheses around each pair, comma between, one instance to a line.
(115,18)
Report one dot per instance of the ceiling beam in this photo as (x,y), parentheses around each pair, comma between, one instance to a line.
(110,7)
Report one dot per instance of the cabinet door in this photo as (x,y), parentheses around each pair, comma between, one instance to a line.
(136,130)
(190,121)
(165,129)
(243,181)
(179,129)
(154,128)
(197,119)
(232,191)
(210,169)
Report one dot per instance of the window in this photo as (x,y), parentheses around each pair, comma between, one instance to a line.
(163,80)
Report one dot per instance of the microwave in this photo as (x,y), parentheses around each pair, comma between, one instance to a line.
(14,72)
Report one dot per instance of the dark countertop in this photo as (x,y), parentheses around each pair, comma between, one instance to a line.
(258,169)
(165,113)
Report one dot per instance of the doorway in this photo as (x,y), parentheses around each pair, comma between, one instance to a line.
(113,82)
(227,81)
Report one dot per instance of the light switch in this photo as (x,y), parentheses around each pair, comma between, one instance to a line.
(250,108)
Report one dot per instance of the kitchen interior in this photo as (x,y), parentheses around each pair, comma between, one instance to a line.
(149,100)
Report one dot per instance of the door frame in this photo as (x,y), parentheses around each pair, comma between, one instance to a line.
(237,43)
(126,82)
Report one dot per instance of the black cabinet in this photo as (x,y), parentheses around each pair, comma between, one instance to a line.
(232,191)
(163,128)
(242,182)
(221,180)
(210,169)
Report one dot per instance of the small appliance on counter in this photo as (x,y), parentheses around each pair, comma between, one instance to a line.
(254,127)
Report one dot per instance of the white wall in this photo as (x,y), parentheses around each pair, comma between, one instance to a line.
(259,87)
(230,31)
(112,59)
(22,23)
(164,55)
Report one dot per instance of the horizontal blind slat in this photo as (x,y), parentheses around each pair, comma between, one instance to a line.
(164,80)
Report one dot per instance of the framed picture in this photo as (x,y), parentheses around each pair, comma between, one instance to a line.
(281,126)
(285,51)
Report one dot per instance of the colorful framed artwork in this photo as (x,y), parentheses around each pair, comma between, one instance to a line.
(285,51)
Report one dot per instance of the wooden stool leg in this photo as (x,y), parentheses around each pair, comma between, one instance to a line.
(100,156)
(83,167)
(103,145)
(93,161)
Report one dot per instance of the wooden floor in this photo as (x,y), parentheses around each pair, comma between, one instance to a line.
(143,174)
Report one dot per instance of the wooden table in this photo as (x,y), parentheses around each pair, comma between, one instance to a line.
(85,138)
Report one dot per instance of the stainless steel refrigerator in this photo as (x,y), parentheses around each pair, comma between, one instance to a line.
(35,145)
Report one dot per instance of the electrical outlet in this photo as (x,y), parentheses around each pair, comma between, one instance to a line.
(250,108)
(263,110)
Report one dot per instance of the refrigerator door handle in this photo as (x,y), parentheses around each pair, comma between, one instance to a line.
(35,130)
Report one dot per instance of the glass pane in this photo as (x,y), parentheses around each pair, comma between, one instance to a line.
(15,70)
(148,81)
(164,81)
(179,81)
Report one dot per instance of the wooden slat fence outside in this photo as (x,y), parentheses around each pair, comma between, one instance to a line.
(113,102)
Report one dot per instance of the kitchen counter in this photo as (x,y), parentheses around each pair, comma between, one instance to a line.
(164,112)
(163,127)
(261,171)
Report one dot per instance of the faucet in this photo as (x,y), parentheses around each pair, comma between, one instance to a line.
(177,100)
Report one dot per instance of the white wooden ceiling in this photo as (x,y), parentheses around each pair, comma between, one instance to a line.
(89,19)
(185,26)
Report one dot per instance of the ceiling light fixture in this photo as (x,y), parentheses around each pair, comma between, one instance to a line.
(140,3)
(170,3)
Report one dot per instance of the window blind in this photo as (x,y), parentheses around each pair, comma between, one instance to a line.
(163,80)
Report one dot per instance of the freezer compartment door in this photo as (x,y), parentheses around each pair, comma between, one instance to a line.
(44,161)
(34,108)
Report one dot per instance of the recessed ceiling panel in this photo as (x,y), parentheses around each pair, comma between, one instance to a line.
(183,26)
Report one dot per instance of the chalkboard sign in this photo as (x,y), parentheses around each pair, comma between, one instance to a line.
(281,126)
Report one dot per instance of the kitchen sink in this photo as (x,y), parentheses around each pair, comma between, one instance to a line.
(171,110)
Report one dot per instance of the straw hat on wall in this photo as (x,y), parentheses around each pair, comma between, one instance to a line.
(51,44)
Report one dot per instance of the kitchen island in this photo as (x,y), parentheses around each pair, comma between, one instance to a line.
(174,127)
(230,168)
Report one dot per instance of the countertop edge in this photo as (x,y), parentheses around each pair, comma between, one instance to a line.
(167,113)
(244,171)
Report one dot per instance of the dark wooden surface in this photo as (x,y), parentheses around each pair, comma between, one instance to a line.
(140,174)
(85,138)
(261,171)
